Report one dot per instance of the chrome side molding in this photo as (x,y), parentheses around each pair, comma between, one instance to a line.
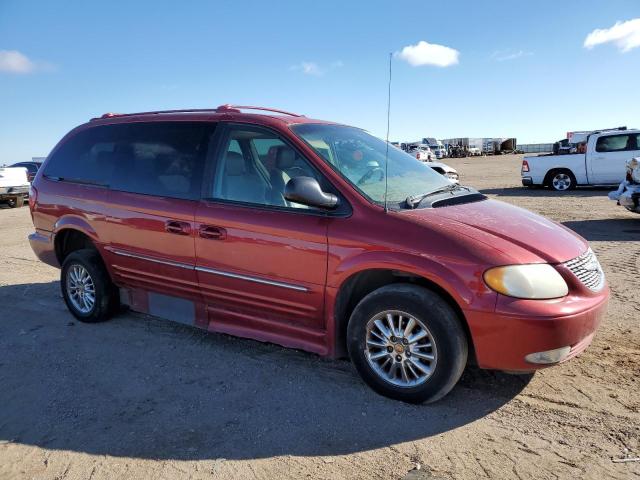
(212,271)
(252,279)
(122,253)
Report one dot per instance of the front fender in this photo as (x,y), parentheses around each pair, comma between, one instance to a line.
(462,280)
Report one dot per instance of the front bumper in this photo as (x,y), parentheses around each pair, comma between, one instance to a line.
(519,328)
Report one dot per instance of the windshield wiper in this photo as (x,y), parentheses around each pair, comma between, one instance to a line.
(414,200)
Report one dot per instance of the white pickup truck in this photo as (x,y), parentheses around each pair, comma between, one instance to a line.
(602,164)
(14,186)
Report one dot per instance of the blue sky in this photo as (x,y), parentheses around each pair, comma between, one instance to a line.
(522,68)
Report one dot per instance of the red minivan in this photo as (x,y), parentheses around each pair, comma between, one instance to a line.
(312,235)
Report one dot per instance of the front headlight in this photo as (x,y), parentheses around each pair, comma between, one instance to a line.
(451,175)
(535,281)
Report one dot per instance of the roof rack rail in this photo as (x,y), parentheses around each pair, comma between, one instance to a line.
(181,110)
(227,108)
(236,109)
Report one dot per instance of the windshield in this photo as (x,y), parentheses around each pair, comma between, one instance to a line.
(360,158)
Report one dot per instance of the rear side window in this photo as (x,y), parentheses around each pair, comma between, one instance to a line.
(618,143)
(160,158)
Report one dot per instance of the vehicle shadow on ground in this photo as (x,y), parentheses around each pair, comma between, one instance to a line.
(614,229)
(547,192)
(141,387)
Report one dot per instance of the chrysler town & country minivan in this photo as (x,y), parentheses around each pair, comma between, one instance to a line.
(311,235)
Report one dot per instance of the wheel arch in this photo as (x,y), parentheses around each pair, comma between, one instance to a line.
(70,238)
(359,284)
(554,170)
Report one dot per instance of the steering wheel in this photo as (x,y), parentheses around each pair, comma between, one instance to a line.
(370,173)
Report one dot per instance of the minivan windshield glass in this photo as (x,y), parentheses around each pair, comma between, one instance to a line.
(360,158)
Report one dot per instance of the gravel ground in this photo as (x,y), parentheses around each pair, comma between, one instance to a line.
(138,397)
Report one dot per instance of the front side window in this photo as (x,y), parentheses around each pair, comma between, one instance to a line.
(617,143)
(360,158)
(157,158)
(254,166)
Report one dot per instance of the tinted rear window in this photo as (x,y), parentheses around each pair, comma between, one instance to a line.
(160,158)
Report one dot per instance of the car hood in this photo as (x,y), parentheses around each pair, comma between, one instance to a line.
(521,235)
(443,166)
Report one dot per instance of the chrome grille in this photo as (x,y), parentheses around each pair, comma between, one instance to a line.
(588,270)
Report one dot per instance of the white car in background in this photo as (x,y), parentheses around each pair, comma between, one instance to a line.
(444,169)
(426,155)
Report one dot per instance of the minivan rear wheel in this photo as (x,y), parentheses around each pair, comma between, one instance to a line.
(87,288)
(407,343)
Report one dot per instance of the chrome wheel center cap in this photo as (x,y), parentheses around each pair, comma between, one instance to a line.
(399,348)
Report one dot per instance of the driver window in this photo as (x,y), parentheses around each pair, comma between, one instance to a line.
(254,167)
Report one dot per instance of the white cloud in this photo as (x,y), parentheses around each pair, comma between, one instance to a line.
(424,53)
(506,55)
(312,68)
(625,35)
(12,61)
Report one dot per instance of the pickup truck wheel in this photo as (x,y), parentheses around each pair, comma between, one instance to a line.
(87,288)
(15,202)
(407,343)
(561,180)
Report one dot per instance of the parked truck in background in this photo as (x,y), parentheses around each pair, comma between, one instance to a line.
(421,151)
(603,162)
(14,186)
(436,146)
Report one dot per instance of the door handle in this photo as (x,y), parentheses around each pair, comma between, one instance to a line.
(177,228)
(212,233)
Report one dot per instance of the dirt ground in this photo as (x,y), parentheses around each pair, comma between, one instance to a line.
(142,398)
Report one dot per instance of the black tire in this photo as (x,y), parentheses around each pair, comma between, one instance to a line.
(564,172)
(106,294)
(446,333)
(16,202)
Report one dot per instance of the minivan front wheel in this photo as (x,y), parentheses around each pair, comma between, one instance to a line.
(407,343)
(87,288)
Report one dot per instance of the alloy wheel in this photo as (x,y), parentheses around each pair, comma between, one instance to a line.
(561,181)
(400,348)
(81,289)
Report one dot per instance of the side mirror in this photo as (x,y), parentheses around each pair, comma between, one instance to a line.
(307,191)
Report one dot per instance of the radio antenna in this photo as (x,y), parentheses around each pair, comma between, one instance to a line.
(386,155)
